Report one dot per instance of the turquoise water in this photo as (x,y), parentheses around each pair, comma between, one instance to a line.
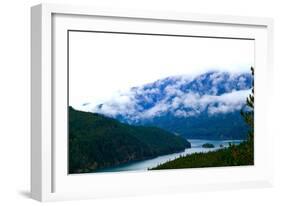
(196,146)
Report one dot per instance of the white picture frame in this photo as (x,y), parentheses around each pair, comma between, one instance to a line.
(49,178)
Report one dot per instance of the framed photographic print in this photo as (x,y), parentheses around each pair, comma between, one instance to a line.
(136,102)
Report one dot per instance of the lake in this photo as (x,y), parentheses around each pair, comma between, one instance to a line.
(196,146)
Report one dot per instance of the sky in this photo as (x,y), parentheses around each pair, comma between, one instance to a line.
(102,65)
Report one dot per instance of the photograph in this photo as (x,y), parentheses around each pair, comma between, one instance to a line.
(145,102)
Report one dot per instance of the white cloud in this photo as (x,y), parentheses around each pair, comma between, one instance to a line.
(189,104)
(173,90)
(176,102)
(130,103)
(229,102)
(157,110)
(191,99)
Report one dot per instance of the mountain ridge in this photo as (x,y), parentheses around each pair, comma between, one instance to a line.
(175,103)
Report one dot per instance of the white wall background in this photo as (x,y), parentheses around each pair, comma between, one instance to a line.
(15,100)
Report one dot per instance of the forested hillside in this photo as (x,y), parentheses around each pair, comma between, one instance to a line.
(96,142)
(235,155)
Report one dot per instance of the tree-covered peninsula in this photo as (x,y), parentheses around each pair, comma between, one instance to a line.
(97,142)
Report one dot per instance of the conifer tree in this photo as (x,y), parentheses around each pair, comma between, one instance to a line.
(248,111)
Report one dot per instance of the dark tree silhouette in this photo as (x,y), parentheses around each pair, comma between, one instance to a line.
(248,111)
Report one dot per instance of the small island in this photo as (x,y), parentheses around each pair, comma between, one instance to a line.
(208,145)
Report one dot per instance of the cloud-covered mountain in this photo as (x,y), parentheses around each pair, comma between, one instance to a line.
(211,101)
